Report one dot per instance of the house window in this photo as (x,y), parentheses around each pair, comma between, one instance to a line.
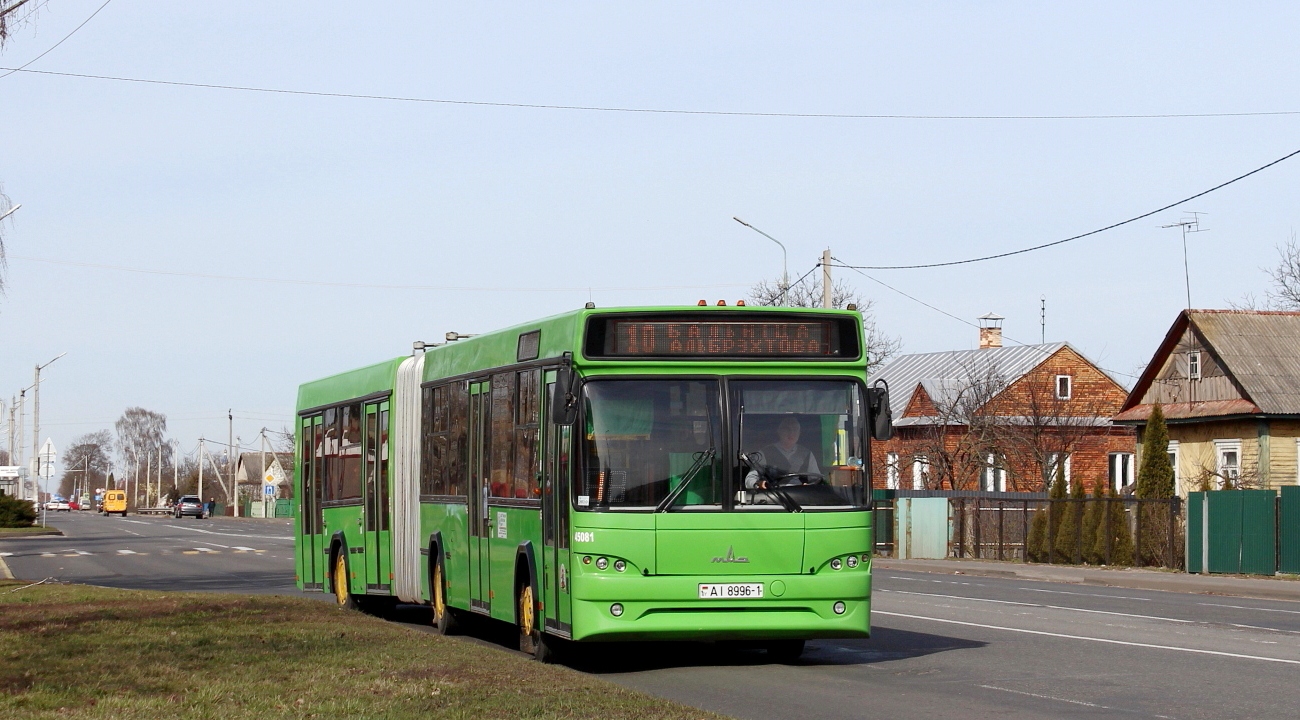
(1173,462)
(1228,467)
(993,476)
(891,471)
(920,472)
(1055,460)
(1121,471)
(1064,386)
(1194,365)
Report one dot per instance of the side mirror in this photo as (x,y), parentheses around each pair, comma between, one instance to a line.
(564,401)
(878,412)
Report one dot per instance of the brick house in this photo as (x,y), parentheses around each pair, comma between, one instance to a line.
(1002,419)
(1228,382)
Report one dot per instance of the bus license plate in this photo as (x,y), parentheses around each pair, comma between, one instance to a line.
(730,591)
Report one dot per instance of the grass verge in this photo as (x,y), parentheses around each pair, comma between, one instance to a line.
(26,531)
(79,651)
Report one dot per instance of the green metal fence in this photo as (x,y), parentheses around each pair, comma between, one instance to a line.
(1288,516)
(1233,531)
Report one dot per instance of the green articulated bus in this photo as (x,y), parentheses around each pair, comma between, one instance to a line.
(606,474)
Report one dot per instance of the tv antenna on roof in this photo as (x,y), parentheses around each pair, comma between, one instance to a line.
(1192,224)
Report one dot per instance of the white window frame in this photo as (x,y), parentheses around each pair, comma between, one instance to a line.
(993,476)
(1223,469)
(1194,365)
(891,471)
(1120,468)
(1069,387)
(920,471)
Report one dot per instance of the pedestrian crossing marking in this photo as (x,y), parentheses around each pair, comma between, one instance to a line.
(48,555)
(127,552)
(189,552)
(206,550)
(242,549)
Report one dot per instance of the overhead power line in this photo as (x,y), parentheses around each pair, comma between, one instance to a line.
(372,286)
(1112,226)
(23,67)
(650,110)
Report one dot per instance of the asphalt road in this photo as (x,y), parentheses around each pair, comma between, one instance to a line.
(943,647)
(148,552)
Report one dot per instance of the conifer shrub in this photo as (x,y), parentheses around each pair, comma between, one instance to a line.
(15,513)
(1156,482)
(1092,519)
(1068,533)
(1115,525)
(1038,543)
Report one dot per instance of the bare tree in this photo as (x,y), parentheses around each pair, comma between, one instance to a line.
(1285,293)
(808,294)
(14,14)
(1043,429)
(957,440)
(88,458)
(139,438)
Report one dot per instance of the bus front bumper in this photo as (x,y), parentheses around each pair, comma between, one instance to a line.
(669,608)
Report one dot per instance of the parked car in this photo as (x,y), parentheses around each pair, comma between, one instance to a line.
(189,505)
(57,505)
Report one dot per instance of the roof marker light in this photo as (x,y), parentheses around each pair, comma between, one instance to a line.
(722,303)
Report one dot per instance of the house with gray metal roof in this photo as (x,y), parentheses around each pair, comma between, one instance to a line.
(1002,419)
(1228,383)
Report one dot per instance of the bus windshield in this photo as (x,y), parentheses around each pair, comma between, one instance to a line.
(658,444)
(800,442)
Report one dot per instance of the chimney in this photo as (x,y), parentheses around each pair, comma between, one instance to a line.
(991,331)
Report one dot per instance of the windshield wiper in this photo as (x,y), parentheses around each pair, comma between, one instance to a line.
(667,503)
(787,502)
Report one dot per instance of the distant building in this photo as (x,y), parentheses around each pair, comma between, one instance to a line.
(255,470)
(1228,382)
(1002,419)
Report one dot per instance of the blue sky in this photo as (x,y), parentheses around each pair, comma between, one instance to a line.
(533,207)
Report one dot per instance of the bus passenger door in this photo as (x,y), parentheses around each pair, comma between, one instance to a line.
(480,406)
(310,543)
(376,500)
(555,526)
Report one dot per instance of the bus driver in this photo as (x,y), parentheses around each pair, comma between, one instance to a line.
(786,456)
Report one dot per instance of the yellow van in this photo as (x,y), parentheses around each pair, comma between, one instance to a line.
(114,502)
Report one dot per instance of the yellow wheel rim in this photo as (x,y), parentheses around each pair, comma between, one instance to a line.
(439,602)
(526,617)
(341,580)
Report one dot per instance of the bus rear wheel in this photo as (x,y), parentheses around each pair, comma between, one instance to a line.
(444,617)
(339,580)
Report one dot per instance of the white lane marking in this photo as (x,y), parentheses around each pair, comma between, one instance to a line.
(82,552)
(206,550)
(48,555)
(6,554)
(216,544)
(137,522)
(1243,607)
(1257,627)
(1066,700)
(241,548)
(238,535)
(1098,595)
(1108,641)
(1038,605)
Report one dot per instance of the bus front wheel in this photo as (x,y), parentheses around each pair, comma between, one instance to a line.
(531,639)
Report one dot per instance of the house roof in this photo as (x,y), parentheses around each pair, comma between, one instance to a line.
(944,374)
(1259,350)
(251,463)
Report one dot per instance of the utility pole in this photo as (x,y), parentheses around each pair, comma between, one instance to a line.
(22,479)
(827,297)
(201,471)
(230,457)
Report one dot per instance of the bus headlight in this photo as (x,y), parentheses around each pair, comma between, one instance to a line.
(835,564)
(619,565)
(602,563)
(617,609)
(838,607)
(852,561)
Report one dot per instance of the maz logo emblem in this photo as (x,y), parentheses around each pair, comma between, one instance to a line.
(731,557)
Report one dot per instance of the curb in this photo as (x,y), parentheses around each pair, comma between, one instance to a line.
(40,533)
(1231,586)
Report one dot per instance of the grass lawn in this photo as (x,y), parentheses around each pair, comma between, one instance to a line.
(33,530)
(79,651)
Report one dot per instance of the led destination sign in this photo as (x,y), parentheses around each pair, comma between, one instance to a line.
(734,338)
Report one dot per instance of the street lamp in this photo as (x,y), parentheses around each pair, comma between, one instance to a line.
(785,262)
(36,407)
